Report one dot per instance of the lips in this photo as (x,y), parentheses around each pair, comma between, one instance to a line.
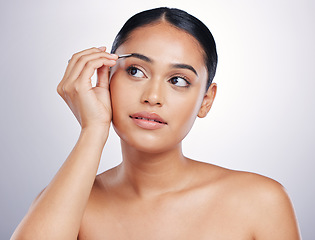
(148,120)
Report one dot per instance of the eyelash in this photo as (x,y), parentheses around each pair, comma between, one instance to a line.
(184,78)
(131,67)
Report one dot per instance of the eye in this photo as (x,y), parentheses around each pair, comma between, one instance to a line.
(135,72)
(179,82)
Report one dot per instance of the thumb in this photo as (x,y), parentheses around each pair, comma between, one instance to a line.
(102,77)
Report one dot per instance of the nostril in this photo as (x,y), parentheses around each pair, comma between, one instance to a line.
(152,102)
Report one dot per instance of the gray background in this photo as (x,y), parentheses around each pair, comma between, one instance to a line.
(262,119)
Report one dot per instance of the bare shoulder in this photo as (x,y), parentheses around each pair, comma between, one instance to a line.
(248,184)
(263,201)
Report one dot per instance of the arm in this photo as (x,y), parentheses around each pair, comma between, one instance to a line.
(58,210)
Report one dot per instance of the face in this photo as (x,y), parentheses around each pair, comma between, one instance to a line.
(158,92)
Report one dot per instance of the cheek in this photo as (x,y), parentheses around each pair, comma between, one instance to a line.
(185,113)
(120,100)
(118,96)
(120,93)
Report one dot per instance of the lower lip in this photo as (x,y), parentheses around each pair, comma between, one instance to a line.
(150,125)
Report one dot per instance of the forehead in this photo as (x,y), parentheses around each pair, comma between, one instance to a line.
(164,42)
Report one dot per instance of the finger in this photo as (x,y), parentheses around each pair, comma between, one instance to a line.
(91,66)
(75,57)
(102,77)
(72,62)
(81,63)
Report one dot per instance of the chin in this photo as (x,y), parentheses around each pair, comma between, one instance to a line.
(149,142)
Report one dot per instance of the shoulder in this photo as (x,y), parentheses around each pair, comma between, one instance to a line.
(243,183)
(255,186)
(273,214)
(265,195)
(262,192)
(259,191)
(263,201)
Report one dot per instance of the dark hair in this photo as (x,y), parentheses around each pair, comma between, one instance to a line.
(181,20)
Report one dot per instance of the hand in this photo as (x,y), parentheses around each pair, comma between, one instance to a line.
(90,105)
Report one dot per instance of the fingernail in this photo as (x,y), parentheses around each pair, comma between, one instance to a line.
(114,55)
(102,48)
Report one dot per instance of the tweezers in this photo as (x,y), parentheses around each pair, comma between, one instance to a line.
(124,55)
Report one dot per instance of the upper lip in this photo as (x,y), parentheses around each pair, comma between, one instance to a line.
(148,116)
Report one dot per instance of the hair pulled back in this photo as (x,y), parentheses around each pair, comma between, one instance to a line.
(181,20)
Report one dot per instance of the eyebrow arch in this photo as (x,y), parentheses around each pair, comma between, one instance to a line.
(149,60)
(185,66)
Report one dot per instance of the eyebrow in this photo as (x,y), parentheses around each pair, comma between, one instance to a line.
(185,66)
(149,60)
(137,55)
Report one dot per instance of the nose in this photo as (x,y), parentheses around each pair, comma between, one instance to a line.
(153,93)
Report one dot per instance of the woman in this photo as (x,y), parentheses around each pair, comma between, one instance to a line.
(160,71)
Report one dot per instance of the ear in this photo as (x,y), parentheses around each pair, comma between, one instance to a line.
(208,100)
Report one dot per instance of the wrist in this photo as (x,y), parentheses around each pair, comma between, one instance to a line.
(97,133)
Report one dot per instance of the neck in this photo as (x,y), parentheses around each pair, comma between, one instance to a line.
(152,174)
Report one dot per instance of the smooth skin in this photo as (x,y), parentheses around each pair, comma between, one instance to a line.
(156,192)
